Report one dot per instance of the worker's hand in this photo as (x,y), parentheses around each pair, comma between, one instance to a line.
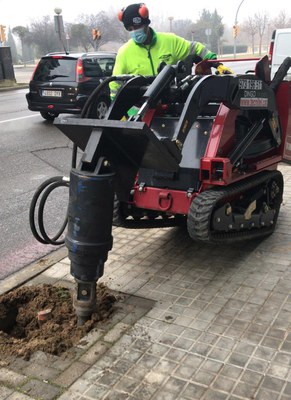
(223,70)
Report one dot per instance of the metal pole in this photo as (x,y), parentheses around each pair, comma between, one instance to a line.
(235,24)
(59,26)
(171,22)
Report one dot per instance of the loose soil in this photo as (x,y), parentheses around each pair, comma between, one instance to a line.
(21,332)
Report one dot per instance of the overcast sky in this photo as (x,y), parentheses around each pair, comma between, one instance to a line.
(23,12)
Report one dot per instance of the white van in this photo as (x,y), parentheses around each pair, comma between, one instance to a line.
(280,48)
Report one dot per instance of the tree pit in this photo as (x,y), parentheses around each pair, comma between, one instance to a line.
(42,317)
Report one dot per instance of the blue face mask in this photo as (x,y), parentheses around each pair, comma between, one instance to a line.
(139,35)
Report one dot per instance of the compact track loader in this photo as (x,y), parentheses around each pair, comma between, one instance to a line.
(202,150)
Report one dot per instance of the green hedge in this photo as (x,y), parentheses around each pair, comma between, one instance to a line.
(228,49)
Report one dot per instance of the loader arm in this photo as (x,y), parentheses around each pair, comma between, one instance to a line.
(244,92)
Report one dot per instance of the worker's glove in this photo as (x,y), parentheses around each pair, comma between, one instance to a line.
(223,70)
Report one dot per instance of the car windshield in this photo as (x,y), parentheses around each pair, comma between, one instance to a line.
(55,69)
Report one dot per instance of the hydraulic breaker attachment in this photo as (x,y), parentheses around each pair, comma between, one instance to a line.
(89,236)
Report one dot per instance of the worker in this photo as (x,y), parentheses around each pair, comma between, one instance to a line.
(146,49)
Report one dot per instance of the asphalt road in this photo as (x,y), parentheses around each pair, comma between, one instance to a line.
(31,151)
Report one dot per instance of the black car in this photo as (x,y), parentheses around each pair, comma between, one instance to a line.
(61,83)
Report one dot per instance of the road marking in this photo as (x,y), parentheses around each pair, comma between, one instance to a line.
(16,119)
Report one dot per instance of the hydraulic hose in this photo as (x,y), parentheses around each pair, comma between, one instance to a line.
(40,197)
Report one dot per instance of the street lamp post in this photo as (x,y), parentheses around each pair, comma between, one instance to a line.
(59,26)
(192,36)
(67,40)
(235,25)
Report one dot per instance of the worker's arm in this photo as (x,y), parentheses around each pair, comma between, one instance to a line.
(199,52)
(120,68)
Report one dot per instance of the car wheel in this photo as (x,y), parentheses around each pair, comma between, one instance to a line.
(49,116)
(101,107)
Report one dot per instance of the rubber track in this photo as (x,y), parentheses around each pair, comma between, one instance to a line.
(202,207)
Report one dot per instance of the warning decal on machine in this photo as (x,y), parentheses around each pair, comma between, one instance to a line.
(250,84)
(261,102)
(251,91)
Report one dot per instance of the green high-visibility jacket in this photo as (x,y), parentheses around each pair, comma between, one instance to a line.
(140,59)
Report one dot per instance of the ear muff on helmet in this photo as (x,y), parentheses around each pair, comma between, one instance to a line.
(143,12)
(120,14)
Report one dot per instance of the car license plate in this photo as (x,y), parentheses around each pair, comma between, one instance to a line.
(52,93)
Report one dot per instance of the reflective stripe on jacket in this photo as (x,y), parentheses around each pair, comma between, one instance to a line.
(140,59)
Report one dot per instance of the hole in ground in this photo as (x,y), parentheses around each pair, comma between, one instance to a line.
(21,332)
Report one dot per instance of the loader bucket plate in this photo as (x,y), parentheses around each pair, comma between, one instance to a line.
(127,140)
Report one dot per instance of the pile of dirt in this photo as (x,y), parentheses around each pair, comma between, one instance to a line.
(22,331)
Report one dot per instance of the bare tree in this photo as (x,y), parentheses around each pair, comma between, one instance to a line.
(43,36)
(250,27)
(81,36)
(261,20)
(108,25)
(281,21)
(182,27)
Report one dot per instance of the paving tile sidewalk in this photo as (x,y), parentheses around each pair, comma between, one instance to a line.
(198,322)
